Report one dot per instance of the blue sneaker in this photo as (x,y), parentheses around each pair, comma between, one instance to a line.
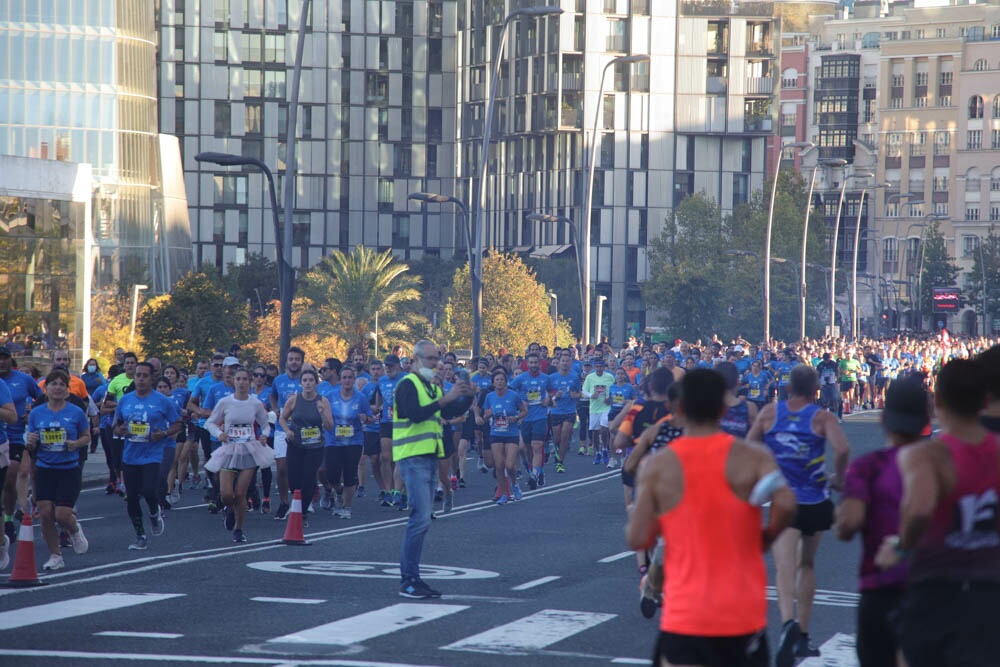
(361,492)
(502,500)
(403,504)
(597,459)
(517,492)
(605,457)
(541,479)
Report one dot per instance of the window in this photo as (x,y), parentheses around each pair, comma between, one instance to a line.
(616,35)
(996,105)
(432,161)
(401,231)
(942,143)
(995,180)
(896,103)
(921,78)
(920,102)
(434,55)
(434,127)
(944,101)
(223,118)
(869,111)
(220,43)
(976,106)
(974,140)
(222,11)
(741,189)
(253,83)
(941,33)
(940,208)
(945,78)
(918,144)
(970,244)
(994,213)
(609,112)
(981,65)
(274,84)
(972,213)
(607,159)
(403,159)
(940,184)
(386,195)
(274,49)
(890,250)
(894,144)
(230,189)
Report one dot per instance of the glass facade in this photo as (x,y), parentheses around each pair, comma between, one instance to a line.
(78,83)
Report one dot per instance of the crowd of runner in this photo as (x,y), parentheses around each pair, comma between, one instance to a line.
(239,432)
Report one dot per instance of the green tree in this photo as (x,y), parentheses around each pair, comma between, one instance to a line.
(515,308)
(938,269)
(266,330)
(190,323)
(256,281)
(110,322)
(436,275)
(345,290)
(560,275)
(986,263)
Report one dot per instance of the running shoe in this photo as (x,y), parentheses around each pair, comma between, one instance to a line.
(597,459)
(461,482)
(175,496)
(140,544)
(212,507)
(613,463)
(790,634)
(532,482)
(64,542)
(197,482)
(5,553)
(803,649)
(449,502)
(238,536)
(157,523)
(282,512)
(385,499)
(482,465)
(518,494)
(265,506)
(79,541)
(582,451)
(395,497)
(647,605)
(541,479)
(605,457)
(120,490)
(560,468)
(326,502)
(416,589)
(360,492)
(404,503)
(502,500)
(454,483)
(55,562)
(345,513)
(110,489)
(338,501)
(230,518)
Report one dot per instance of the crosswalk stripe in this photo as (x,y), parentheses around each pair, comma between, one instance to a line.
(138,635)
(93,604)
(531,633)
(360,628)
(289,600)
(837,651)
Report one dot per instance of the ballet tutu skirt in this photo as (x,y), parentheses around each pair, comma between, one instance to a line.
(240,455)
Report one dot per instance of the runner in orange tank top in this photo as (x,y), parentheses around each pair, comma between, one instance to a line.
(714,600)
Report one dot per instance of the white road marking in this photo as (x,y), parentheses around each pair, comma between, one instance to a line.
(139,635)
(838,651)
(534,582)
(198,659)
(150,563)
(90,518)
(92,604)
(531,633)
(290,600)
(631,661)
(362,569)
(826,598)
(360,628)
(620,556)
(188,507)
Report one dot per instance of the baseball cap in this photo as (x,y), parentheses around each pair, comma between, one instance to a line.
(230,361)
(738,348)
(391,360)
(906,406)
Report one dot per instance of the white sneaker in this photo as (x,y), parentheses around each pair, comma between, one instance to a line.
(345,513)
(175,496)
(157,523)
(79,540)
(55,562)
(4,553)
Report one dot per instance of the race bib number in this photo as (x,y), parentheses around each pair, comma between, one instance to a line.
(785,377)
(534,397)
(53,439)
(240,432)
(500,423)
(618,399)
(346,431)
(138,431)
(310,435)
(755,392)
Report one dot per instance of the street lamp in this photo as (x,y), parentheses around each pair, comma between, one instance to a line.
(920,268)
(135,311)
(479,203)
(767,241)
(600,313)
(913,199)
(544,217)
(982,268)
(836,235)
(854,269)
(475,272)
(826,162)
(555,317)
(283,250)
(589,201)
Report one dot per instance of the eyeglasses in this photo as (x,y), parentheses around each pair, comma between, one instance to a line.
(259,375)
(217,365)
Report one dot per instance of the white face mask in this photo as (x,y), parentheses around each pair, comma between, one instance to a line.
(92,369)
(427,373)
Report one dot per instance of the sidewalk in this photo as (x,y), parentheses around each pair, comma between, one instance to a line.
(95,470)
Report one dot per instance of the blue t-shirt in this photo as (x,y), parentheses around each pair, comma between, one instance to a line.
(368,391)
(54,429)
(620,394)
(387,389)
(264,396)
(800,452)
(505,408)
(532,390)
(200,392)
(561,386)
(142,416)
(757,386)
(180,397)
(5,398)
(22,387)
(346,417)
(216,393)
(99,394)
(283,387)
(783,371)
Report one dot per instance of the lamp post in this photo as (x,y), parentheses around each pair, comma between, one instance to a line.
(833,258)
(475,272)
(135,311)
(982,268)
(544,217)
(282,246)
(589,201)
(920,268)
(854,264)
(913,199)
(555,317)
(767,238)
(479,203)
(827,162)
(600,312)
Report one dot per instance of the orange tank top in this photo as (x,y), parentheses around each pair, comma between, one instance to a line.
(715,577)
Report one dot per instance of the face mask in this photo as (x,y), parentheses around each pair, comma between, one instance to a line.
(427,373)
(91,369)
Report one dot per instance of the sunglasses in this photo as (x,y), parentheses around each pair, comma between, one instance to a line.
(259,375)
(216,365)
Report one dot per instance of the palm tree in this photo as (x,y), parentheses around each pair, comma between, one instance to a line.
(346,290)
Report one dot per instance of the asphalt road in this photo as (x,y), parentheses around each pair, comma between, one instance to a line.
(547,581)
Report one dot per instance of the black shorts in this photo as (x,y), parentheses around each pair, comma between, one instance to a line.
(559,420)
(846,387)
(469,428)
(946,624)
(504,440)
(739,651)
(814,518)
(627,479)
(385,430)
(373,443)
(448,435)
(58,485)
(16,451)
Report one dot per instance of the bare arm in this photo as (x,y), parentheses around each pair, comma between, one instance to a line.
(921,492)
(8,414)
(286,412)
(640,532)
(830,428)
(851,514)
(325,412)
(761,425)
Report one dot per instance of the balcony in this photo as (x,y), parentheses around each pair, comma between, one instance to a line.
(570,81)
(570,118)
(726,8)
(757,124)
(764,47)
(716,85)
(759,85)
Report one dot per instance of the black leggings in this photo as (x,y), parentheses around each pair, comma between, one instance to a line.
(876,627)
(112,452)
(302,466)
(169,453)
(342,463)
(141,481)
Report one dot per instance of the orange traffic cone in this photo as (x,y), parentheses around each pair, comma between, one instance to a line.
(847,406)
(293,528)
(24,573)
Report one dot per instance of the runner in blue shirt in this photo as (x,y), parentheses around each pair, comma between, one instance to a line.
(373,446)
(504,408)
(146,419)
(483,382)
(198,395)
(564,388)
(285,385)
(15,488)
(216,393)
(757,383)
(533,388)
(345,441)
(385,393)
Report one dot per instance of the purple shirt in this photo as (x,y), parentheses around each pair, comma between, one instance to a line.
(874,479)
